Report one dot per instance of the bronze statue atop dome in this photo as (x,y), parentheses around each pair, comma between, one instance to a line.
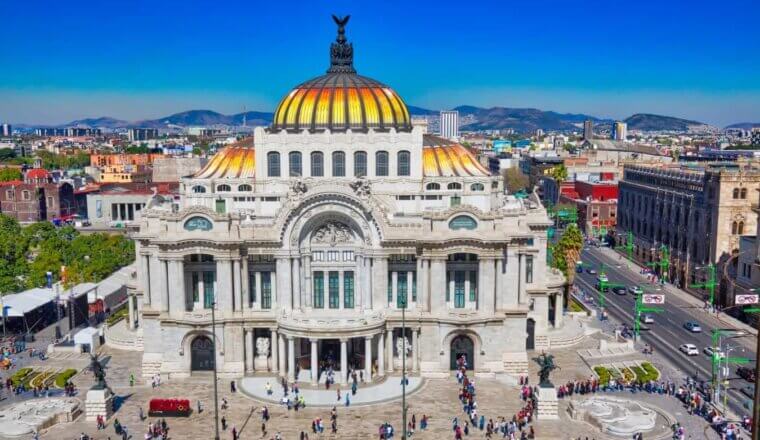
(341,22)
(341,51)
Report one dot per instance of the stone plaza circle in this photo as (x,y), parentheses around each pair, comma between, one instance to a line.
(315,238)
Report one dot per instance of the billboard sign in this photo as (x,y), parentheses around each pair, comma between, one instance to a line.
(653,298)
(741,300)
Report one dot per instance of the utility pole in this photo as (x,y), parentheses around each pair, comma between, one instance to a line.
(710,284)
(628,247)
(403,368)
(638,309)
(663,263)
(216,391)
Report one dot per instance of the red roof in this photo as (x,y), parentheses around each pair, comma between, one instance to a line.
(37,173)
(11,182)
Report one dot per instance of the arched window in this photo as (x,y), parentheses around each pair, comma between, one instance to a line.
(198,189)
(740,229)
(317,164)
(273,164)
(294,164)
(403,165)
(743,193)
(223,188)
(360,164)
(454,186)
(734,228)
(736,193)
(381,163)
(339,164)
(245,188)
(477,187)
(433,187)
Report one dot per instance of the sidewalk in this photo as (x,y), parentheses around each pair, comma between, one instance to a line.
(722,320)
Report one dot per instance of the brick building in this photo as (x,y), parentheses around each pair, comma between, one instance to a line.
(37,197)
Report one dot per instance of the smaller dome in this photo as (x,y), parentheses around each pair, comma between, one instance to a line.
(37,174)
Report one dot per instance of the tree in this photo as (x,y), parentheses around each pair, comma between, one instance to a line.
(515,179)
(7,153)
(566,251)
(12,254)
(8,174)
(558,173)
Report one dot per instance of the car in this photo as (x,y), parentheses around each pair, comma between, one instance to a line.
(579,269)
(591,270)
(647,319)
(692,327)
(618,290)
(635,290)
(709,351)
(748,390)
(689,349)
(747,373)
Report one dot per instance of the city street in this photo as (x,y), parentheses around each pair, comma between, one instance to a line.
(667,332)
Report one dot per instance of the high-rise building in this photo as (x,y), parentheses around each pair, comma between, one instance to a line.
(50,131)
(539,132)
(6,130)
(450,124)
(619,131)
(588,129)
(83,131)
(756,137)
(142,134)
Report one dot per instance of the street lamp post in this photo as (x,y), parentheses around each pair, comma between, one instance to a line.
(216,392)
(403,368)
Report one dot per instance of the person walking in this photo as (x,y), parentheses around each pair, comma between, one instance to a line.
(234,433)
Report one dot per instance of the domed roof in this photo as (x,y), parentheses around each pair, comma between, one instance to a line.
(37,174)
(341,99)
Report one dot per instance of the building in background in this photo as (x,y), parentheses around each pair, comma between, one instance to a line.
(6,130)
(595,203)
(83,131)
(50,132)
(37,197)
(142,134)
(698,213)
(450,124)
(619,131)
(588,129)
(755,139)
(120,203)
(203,131)
(172,169)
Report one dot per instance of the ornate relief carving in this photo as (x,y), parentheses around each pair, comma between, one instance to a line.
(298,188)
(262,347)
(361,187)
(332,233)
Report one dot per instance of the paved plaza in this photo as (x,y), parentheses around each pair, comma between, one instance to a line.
(437,398)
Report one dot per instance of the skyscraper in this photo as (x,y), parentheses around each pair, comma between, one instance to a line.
(450,124)
(6,130)
(619,131)
(588,129)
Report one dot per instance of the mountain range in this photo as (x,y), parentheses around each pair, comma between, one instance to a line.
(522,120)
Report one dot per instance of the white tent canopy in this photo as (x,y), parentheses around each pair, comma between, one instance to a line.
(22,303)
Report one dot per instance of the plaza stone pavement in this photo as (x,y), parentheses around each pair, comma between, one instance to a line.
(437,398)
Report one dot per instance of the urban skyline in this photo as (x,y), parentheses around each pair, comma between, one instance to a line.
(137,64)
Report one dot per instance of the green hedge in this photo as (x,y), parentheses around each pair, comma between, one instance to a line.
(604,375)
(28,379)
(117,316)
(19,376)
(574,306)
(649,371)
(62,378)
(628,374)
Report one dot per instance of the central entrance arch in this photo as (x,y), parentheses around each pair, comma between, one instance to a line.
(202,354)
(462,346)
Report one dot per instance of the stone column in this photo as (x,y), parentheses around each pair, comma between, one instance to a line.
(486,284)
(438,285)
(131,306)
(283,276)
(257,288)
(291,359)
(296,277)
(145,283)
(379,283)
(415,350)
(343,361)
(276,300)
(163,274)
(367,291)
(389,351)
(245,283)
(507,289)
(249,350)
(368,358)
(359,282)
(394,291)
(306,282)
(380,355)
(177,285)
(558,309)
(223,292)
(520,278)
(283,359)
(237,284)
(275,351)
(314,366)
(421,284)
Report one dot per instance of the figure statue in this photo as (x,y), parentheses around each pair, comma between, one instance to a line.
(341,22)
(262,347)
(98,371)
(400,346)
(298,188)
(361,187)
(546,364)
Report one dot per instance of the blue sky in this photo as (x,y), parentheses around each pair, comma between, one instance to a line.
(142,59)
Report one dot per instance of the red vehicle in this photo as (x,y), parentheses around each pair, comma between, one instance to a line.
(747,373)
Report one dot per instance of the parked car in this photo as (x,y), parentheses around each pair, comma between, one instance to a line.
(692,327)
(747,373)
(647,319)
(635,290)
(710,350)
(591,270)
(689,349)
(579,268)
(619,290)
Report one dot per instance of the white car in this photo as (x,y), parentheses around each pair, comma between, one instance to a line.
(647,319)
(709,351)
(635,290)
(689,349)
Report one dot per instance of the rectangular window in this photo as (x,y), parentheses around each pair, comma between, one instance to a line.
(220,206)
(404,197)
(252,287)
(348,255)
(456,200)
(529,269)
(401,290)
(208,289)
(348,289)
(473,286)
(266,290)
(360,164)
(99,208)
(9,194)
(459,289)
(319,290)
(334,289)
(333,255)
(196,282)
(114,211)
(50,201)
(317,255)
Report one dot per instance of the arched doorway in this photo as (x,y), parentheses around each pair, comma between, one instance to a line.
(530,328)
(202,354)
(462,346)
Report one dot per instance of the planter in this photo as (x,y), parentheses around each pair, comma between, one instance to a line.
(169,408)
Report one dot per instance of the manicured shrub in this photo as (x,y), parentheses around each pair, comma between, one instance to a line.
(63,377)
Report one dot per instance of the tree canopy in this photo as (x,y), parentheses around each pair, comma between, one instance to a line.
(28,253)
(566,251)
(515,180)
(8,174)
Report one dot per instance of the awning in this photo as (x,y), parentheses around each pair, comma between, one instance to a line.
(19,304)
(112,290)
